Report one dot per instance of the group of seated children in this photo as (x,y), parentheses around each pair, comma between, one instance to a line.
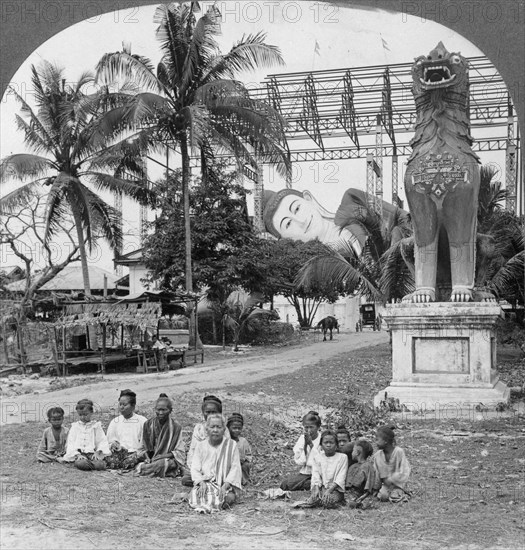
(218,460)
(331,464)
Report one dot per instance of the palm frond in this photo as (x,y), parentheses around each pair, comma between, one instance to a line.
(22,166)
(34,121)
(397,276)
(249,54)
(133,189)
(118,66)
(336,269)
(509,278)
(13,201)
(171,33)
(105,219)
(202,48)
(62,199)
(35,141)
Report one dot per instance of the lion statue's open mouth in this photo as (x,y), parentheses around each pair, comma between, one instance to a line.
(437,76)
(438,69)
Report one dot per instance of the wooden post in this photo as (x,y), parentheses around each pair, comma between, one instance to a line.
(103,364)
(54,348)
(64,367)
(4,339)
(21,347)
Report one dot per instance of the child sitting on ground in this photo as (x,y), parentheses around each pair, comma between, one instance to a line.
(360,480)
(210,405)
(53,443)
(87,444)
(329,470)
(344,445)
(235,425)
(391,467)
(303,452)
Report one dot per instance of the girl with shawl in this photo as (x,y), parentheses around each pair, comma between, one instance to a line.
(391,466)
(163,443)
(215,469)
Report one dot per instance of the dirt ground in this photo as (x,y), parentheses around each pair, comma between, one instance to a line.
(468,475)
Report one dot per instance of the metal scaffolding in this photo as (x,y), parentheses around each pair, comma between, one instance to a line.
(510,162)
(143,216)
(117,203)
(258,203)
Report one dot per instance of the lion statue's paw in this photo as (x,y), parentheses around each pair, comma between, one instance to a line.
(483,296)
(421,295)
(461,294)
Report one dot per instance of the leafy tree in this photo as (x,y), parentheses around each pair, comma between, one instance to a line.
(69,149)
(271,267)
(219,225)
(23,233)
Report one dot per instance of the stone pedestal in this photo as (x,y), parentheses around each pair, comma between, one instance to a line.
(443,354)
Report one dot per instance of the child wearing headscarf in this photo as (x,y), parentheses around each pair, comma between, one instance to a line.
(235,425)
(391,466)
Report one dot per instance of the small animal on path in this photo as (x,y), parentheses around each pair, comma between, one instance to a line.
(328,324)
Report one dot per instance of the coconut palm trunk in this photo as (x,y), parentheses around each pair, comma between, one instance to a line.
(186,203)
(82,251)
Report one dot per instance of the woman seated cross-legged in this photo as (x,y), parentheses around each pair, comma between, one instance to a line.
(163,443)
(215,469)
(125,433)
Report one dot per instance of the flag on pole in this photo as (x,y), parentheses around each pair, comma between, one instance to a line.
(385,44)
(317,49)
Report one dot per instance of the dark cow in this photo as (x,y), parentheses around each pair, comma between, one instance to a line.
(328,324)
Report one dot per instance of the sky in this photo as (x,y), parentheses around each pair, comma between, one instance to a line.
(312,36)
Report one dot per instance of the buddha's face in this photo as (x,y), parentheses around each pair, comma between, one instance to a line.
(298,219)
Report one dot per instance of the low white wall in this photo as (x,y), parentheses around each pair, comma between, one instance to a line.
(345,310)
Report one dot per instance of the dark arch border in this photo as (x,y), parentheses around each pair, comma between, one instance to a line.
(497,27)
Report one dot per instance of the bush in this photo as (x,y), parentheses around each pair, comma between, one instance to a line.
(510,332)
(361,419)
(206,330)
(269,332)
(174,322)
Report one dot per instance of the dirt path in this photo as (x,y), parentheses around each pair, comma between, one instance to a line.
(219,373)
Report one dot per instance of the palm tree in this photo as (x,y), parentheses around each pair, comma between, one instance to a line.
(191,99)
(68,150)
(501,257)
(384,271)
(240,313)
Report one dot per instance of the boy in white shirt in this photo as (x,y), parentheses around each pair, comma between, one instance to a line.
(87,444)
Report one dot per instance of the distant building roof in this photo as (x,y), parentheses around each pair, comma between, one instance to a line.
(12,271)
(131,258)
(70,278)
